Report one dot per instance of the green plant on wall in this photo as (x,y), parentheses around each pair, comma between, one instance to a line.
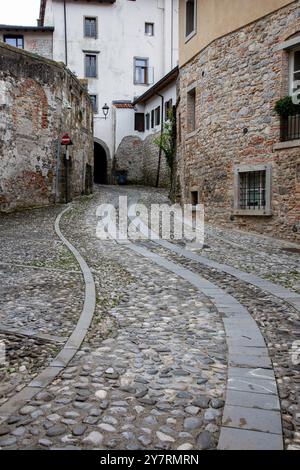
(167,144)
(285,107)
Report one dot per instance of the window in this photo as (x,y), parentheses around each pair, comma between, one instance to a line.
(168,109)
(143,74)
(139,122)
(90,27)
(253,190)
(16,41)
(294,70)
(157,116)
(152,118)
(94,99)
(190,18)
(90,66)
(149,29)
(191,110)
(147,121)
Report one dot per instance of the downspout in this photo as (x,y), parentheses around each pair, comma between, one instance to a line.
(65,28)
(161,133)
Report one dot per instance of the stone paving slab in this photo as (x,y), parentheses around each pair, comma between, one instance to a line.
(247,384)
(247,360)
(252,419)
(252,400)
(251,373)
(241,439)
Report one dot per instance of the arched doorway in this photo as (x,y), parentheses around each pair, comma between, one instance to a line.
(100,164)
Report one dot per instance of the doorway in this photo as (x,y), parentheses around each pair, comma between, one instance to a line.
(100,164)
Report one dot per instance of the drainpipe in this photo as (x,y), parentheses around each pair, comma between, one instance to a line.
(161,133)
(65,27)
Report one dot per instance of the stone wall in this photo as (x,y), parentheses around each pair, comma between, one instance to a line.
(140,159)
(40,100)
(238,80)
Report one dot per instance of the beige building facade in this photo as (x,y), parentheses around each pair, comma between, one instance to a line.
(236,155)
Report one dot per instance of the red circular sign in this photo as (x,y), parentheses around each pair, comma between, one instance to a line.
(66,140)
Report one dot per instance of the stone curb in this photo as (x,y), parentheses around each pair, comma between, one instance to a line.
(72,345)
(274,289)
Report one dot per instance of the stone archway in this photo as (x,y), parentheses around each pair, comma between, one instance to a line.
(102,164)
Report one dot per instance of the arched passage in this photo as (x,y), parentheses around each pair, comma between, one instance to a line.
(100,164)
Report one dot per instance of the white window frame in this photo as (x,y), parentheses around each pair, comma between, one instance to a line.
(291,69)
(192,33)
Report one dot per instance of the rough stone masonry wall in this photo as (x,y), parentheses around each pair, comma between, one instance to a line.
(140,159)
(238,79)
(39,101)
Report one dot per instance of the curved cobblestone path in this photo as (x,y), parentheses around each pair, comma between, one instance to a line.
(152,371)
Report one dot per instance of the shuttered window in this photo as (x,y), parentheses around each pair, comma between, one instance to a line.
(139,122)
(90,66)
(90,27)
(157,116)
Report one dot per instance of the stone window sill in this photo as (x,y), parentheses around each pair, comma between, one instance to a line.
(253,213)
(287,145)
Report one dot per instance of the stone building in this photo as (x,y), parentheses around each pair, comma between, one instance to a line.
(138,153)
(121,47)
(235,154)
(40,100)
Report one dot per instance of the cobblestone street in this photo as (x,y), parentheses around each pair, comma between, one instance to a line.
(186,349)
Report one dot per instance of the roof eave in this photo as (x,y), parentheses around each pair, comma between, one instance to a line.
(160,85)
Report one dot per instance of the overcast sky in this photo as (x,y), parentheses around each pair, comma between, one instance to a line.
(19,12)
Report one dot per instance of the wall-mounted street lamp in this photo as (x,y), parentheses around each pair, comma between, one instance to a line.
(105,110)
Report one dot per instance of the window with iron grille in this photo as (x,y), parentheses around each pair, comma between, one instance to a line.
(94,99)
(13,40)
(290,127)
(90,27)
(91,66)
(253,190)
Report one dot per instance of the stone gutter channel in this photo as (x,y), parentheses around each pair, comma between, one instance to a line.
(73,343)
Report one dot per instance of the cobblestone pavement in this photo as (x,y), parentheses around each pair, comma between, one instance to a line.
(41,295)
(152,370)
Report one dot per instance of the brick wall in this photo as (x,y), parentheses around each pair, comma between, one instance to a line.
(238,80)
(39,101)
